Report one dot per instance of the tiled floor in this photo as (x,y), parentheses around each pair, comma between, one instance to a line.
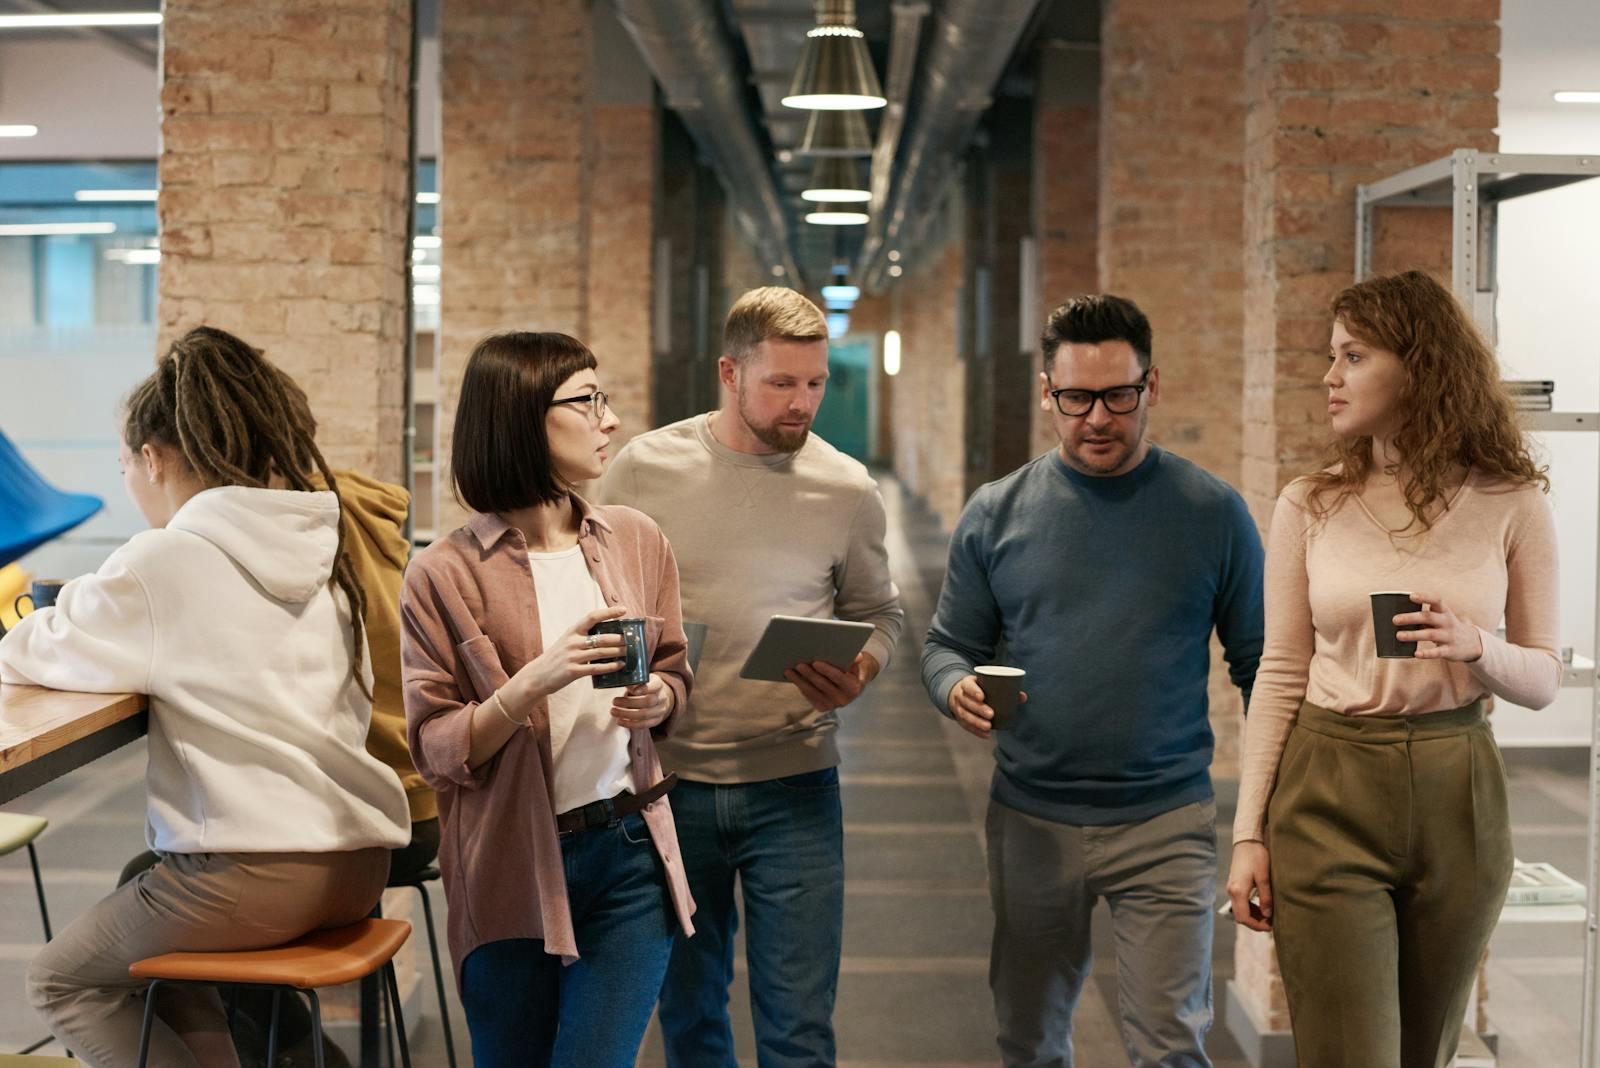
(913,989)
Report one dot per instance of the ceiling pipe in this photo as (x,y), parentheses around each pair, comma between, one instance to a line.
(683,44)
(972,42)
(904,35)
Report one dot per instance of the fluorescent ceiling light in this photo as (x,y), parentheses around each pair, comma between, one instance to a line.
(52,229)
(891,353)
(21,129)
(841,291)
(1577,96)
(134,255)
(838,324)
(80,19)
(114,194)
(836,215)
(426,241)
(836,180)
(427,198)
(425,295)
(425,272)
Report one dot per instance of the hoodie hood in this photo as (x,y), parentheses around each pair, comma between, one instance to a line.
(376,513)
(285,540)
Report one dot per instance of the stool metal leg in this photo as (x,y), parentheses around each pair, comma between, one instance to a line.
(396,1015)
(149,1014)
(272,1029)
(38,886)
(316,1027)
(438,977)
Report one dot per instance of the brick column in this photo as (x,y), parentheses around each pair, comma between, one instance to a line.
(1066,180)
(514,120)
(928,401)
(1171,234)
(1171,192)
(283,207)
(1339,92)
(623,151)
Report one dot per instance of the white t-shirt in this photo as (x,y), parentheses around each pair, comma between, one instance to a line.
(590,747)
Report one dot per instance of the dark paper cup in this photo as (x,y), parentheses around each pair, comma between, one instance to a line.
(635,670)
(1001,688)
(1385,606)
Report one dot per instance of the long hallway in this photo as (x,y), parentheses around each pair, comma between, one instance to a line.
(913,989)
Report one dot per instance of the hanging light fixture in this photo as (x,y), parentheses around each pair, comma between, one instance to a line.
(836,133)
(836,180)
(836,215)
(835,71)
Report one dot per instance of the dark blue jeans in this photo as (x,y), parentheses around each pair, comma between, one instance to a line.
(523,1008)
(784,840)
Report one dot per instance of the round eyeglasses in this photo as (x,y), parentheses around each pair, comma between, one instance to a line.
(1118,400)
(597,401)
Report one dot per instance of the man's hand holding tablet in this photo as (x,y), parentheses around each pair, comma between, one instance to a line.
(812,654)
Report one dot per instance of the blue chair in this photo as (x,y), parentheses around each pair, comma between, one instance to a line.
(31,510)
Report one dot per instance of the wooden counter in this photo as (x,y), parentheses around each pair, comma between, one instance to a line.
(46,733)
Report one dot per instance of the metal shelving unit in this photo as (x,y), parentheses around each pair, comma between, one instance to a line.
(1472,185)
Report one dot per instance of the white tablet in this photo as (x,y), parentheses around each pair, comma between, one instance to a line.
(791,640)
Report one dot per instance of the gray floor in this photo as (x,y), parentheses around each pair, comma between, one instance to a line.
(913,988)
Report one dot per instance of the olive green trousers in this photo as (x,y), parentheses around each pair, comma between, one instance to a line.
(1391,853)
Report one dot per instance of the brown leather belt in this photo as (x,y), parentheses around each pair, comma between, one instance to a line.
(605,813)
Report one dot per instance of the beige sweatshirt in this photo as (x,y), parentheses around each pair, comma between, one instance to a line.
(1492,554)
(755,536)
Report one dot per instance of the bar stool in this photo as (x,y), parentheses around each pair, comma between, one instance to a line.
(18,831)
(415,881)
(320,959)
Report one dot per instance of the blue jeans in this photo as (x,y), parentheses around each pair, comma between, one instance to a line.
(523,1008)
(784,839)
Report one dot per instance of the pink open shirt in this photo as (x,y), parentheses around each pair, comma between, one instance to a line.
(469,621)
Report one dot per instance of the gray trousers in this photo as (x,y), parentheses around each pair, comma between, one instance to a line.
(1159,879)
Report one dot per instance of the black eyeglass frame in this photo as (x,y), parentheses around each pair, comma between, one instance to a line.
(598,400)
(1101,395)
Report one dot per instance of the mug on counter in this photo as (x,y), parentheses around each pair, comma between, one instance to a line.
(41,594)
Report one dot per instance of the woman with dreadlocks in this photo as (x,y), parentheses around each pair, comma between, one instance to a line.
(240,616)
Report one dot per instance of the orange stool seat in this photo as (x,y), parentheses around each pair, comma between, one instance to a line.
(322,958)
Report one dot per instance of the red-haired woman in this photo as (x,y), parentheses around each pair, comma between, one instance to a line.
(1372,834)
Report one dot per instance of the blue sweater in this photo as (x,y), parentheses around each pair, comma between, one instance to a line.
(1105,591)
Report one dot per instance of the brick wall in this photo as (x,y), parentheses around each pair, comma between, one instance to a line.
(619,283)
(1171,189)
(547,197)
(283,207)
(928,399)
(1065,194)
(1340,92)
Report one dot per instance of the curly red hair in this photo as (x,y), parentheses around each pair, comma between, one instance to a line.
(1454,410)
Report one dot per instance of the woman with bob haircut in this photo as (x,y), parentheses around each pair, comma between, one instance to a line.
(1372,835)
(240,614)
(558,850)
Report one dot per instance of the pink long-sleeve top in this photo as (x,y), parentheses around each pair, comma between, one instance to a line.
(1490,555)
(470,620)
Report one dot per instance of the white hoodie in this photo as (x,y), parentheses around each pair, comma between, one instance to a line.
(227,619)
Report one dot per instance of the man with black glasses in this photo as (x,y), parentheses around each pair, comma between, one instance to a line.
(1103,567)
